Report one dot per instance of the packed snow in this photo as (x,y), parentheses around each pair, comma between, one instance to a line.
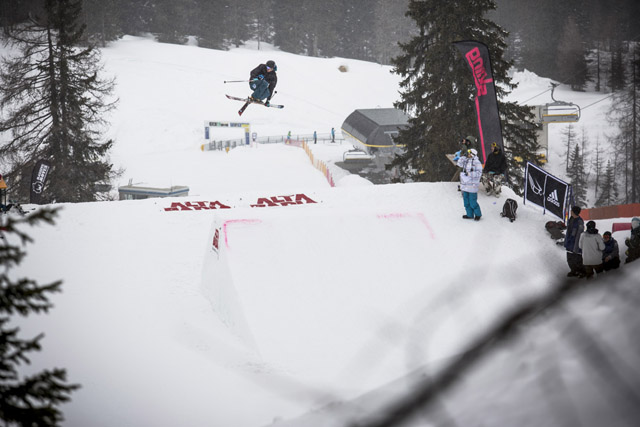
(319,309)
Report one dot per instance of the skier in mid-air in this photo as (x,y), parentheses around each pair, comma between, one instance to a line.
(263,82)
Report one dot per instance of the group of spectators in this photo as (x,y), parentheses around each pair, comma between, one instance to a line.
(589,253)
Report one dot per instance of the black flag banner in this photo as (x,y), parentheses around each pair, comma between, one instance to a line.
(477,56)
(38,179)
(547,191)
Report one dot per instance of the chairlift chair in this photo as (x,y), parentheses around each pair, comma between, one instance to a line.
(559,111)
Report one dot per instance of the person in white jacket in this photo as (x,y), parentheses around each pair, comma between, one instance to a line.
(469,182)
(592,246)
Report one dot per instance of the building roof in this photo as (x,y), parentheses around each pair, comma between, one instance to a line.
(373,127)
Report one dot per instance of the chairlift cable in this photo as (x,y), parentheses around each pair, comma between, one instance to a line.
(634,39)
(600,100)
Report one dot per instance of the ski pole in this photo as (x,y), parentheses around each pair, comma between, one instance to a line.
(240,81)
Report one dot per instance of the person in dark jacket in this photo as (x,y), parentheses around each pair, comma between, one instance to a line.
(263,81)
(494,170)
(633,242)
(575,227)
(611,253)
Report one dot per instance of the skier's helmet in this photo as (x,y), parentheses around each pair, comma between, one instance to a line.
(271,64)
(473,151)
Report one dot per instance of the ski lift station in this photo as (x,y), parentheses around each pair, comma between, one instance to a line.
(372,132)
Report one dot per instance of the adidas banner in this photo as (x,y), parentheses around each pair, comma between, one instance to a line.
(546,191)
(476,55)
(38,179)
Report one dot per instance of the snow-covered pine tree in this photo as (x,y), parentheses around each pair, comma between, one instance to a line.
(625,114)
(437,91)
(32,400)
(598,167)
(570,138)
(572,63)
(53,103)
(576,177)
(608,190)
(617,80)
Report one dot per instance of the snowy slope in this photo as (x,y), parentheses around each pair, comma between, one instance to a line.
(304,305)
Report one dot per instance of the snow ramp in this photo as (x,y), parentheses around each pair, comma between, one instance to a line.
(336,293)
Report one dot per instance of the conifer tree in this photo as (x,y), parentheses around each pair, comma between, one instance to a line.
(391,27)
(102,20)
(570,137)
(625,114)
(437,91)
(32,400)
(577,177)
(571,60)
(598,167)
(608,189)
(618,78)
(52,102)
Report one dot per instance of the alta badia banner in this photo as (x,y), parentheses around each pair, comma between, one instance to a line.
(545,190)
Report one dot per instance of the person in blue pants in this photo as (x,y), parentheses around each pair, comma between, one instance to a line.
(263,80)
(470,174)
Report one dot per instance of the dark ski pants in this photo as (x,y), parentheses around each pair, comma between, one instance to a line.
(611,264)
(260,89)
(575,263)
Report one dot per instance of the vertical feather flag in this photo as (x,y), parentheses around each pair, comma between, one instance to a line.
(38,179)
(476,55)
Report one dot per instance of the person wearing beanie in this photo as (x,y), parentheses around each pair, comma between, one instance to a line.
(470,174)
(611,253)
(494,170)
(466,144)
(263,81)
(592,246)
(633,242)
(575,227)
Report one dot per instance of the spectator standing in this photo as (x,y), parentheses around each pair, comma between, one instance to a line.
(315,137)
(592,246)
(333,135)
(575,227)
(611,253)
(470,174)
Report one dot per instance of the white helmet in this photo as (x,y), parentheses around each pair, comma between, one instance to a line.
(473,151)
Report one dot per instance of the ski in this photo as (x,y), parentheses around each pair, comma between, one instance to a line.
(247,101)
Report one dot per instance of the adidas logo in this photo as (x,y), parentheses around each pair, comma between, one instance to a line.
(553,198)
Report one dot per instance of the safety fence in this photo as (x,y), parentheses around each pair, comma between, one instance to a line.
(318,164)
(302,141)
(278,139)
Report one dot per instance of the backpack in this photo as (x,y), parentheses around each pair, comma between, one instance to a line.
(509,209)
(555,228)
